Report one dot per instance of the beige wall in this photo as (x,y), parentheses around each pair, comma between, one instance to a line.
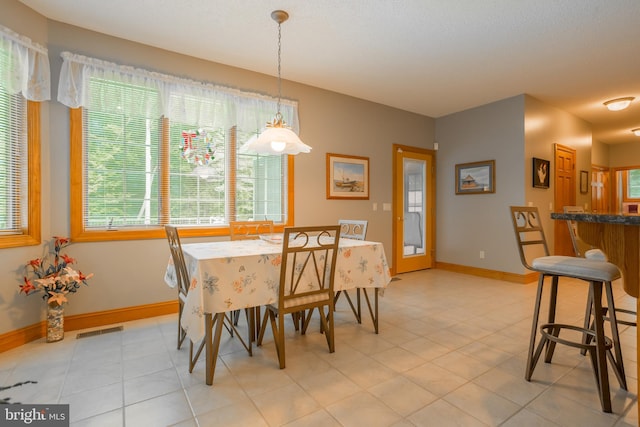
(511,132)
(545,127)
(470,223)
(130,273)
(621,155)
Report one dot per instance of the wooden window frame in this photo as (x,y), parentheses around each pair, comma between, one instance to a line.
(80,234)
(32,233)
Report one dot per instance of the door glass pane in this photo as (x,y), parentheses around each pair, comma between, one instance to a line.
(414,206)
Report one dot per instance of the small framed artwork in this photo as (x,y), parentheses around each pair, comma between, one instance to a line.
(347,177)
(476,177)
(584,182)
(541,173)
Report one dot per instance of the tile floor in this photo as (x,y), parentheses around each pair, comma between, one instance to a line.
(451,351)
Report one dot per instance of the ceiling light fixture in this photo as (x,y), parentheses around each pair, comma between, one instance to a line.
(278,138)
(619,103)
(636,131)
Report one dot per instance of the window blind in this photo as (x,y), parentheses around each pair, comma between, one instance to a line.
(13,163)
(24,77)
(121,158)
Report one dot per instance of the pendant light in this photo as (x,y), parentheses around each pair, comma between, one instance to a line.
(277,138)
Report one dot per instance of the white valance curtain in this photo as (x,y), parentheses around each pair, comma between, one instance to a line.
(176,98)
(24,66)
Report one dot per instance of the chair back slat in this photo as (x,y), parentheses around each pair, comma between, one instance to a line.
(307,271)
(529,232)
(249,230)
(353,228)
(182,276)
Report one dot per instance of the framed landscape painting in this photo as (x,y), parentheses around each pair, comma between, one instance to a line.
(347,177)
(476,177)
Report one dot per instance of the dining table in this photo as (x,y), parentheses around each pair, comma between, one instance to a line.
(618,236)
(226,276)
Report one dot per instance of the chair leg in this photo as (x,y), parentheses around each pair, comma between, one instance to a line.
(278,336)
(263,326)
(553,298)
(181,332)
(534,330)
(601,356)
(618,363)
(586,338)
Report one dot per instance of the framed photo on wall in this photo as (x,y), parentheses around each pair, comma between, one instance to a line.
(541,173)
(584,182)
(347,177)
(476,177)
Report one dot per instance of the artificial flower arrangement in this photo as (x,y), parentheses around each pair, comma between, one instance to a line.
(53,277)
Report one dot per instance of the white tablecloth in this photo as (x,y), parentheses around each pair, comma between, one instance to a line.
(231,275)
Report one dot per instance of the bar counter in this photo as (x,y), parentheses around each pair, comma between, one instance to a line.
(618,236)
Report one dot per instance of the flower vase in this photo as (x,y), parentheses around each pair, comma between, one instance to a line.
(55,322)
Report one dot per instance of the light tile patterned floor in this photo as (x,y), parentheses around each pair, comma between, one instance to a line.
(451,352)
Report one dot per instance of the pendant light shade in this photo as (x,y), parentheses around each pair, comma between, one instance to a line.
(277,138)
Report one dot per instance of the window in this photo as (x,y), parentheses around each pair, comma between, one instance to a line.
(631,184)
(24,81)
(131,171)
(16,226)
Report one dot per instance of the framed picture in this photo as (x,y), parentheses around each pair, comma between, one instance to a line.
(541,173)
(476,177)
(584,182)
(347,177)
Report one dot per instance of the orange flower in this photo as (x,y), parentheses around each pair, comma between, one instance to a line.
(277,260)
(35,263)
(346,253)
(67,259)
(27,286)
(83,277)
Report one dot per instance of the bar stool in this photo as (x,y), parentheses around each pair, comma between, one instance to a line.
(530,237)
(597,255)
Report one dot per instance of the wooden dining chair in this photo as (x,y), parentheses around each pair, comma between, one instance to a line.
(246,230)
(182,276)
(307,272)
(183,283)
(535,256)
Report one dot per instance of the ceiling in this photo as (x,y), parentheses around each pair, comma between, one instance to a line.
(432,57)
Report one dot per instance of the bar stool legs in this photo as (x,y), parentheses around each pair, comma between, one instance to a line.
(593,342)
(607,313)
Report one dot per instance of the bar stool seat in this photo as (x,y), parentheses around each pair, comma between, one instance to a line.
(598,274)
(579,268)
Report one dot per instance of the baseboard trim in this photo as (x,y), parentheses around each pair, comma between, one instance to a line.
(491,274)
(75,322)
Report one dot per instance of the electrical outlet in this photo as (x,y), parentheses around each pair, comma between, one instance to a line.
(375,206)
(481,254)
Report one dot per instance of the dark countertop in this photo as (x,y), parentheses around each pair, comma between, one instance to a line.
(600,218)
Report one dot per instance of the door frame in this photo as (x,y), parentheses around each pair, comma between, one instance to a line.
(398,210)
